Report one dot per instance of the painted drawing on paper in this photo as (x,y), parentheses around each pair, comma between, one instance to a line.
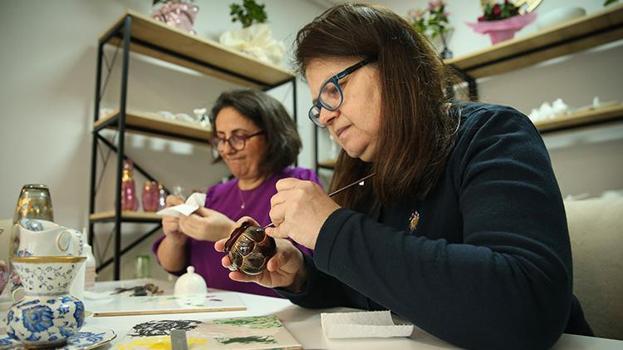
(256,333)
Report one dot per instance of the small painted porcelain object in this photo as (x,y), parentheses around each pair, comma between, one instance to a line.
(249,248)
(190,283)
(48,314)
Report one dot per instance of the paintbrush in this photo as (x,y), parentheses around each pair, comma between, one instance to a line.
(360,181)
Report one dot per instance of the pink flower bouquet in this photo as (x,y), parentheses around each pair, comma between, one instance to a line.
(503,29)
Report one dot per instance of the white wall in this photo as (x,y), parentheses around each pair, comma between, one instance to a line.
(47,65)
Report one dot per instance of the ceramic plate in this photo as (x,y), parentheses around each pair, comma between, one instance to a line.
(87,338)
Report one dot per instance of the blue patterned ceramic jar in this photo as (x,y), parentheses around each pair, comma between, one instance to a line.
(47,315)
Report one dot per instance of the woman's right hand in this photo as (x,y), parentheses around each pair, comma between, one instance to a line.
(170,224)
(285,269)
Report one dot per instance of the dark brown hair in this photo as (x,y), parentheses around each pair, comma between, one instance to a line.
(268,114)
(416,131)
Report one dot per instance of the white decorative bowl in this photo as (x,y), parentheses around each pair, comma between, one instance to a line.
(558,16)
(47,275)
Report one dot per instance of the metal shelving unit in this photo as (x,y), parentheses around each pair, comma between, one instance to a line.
(141,34)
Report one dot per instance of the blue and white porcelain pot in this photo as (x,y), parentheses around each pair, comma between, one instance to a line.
(48,314)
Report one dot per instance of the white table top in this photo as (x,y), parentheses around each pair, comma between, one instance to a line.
(304,324)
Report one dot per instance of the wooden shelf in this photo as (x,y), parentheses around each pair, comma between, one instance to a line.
(152,123)
(158,40)
(584,118)
(327,164)
(580,34)
(126,216)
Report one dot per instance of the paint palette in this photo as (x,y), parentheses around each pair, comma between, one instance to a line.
(248,333)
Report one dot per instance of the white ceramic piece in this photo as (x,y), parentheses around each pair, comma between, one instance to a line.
(190,283)
(558,16)
(54,240)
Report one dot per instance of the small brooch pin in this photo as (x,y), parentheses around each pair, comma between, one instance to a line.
(414,219)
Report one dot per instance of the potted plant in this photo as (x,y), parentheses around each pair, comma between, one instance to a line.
(432,23)
(177,13)
(255,37)
(250,12)
(501,20)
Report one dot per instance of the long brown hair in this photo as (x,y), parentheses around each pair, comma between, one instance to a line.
(416,129)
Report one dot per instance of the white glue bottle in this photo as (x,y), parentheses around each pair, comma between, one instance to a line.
(89,265)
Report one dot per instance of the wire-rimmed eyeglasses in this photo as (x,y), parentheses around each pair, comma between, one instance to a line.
(331,96)
(236,141)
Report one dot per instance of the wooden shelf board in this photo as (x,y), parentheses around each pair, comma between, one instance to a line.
(155,124)
(579,34)
(125,216)
(578,119)
(147,31)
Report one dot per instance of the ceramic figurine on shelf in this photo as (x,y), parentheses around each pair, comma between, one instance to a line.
(201,117)
(128,189)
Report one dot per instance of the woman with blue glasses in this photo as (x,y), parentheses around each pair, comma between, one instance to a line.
(462,228)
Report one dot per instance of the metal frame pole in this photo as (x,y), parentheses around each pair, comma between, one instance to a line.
(98,82)
(127,28)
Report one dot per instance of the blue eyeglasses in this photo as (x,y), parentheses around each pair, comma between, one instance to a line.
(331,96)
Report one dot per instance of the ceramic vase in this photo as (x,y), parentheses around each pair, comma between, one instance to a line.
(129,201)
(150,196)
(48,314)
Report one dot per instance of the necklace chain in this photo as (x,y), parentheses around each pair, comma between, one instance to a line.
(242,202)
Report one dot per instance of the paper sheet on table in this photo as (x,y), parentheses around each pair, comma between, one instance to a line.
(365,324)
(194,202)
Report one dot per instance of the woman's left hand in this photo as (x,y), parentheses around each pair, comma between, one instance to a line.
(206,225)
(298,210)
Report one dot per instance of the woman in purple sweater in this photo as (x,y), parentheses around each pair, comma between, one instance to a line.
(258,141)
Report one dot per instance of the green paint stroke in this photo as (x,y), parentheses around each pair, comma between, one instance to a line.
(258,322)
(254,339)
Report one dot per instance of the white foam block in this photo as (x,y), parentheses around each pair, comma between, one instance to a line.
(365,324)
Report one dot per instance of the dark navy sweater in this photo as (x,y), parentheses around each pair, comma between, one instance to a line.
(488,265)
